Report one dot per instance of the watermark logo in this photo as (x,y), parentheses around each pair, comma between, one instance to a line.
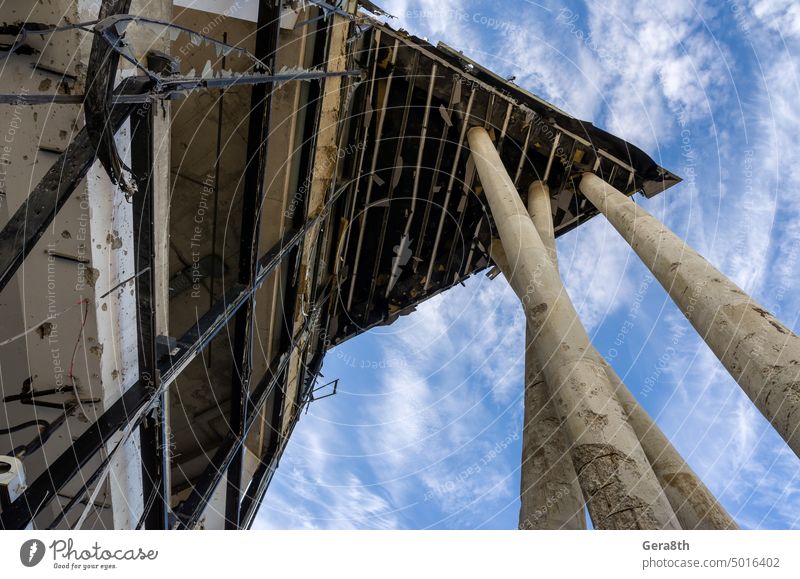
(32,552)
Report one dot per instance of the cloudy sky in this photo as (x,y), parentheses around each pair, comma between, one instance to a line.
(426,429)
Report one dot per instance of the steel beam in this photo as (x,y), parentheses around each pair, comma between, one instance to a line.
(384,112)
(257,486)
(191,509)
(267,30)
(397,166)
(449,191)
(153,432)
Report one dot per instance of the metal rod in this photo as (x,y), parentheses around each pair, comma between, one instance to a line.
(469,179)
(552,156)
(182,85)
(397,166)
(369,114)
(472,246)
(523,155)
(217,164)
(461,140)
(418,170)
(363,219)
(41,99)
(436,171)
(504,129)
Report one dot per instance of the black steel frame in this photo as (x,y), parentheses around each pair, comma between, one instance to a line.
(132,406)
(142,405)
(153,431)
(267,31)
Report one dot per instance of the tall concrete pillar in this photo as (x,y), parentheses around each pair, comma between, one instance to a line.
(761,354)
(619,485)
(694,505)
(541,213)
(550,496)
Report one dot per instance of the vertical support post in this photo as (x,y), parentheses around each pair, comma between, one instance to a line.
(618,483)
(550,494)
(694,505)
(268,461)
(761,354)
(566,497)
(267,31)
(153,431)
(541,213)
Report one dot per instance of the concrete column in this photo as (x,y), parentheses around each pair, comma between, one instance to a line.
(693,503)
(761,354)
(542,215)
(617,481)
(550,495)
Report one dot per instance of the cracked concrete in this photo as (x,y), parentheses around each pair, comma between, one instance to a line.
(578,390)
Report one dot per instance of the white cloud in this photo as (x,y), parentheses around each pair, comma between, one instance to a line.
(349,506)
(593,261)
(425,431)
(433,19)
(780,15)
(664,61)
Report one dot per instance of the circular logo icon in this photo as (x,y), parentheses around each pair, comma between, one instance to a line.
(31,553)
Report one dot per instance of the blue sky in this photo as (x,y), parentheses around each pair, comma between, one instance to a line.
(426,429)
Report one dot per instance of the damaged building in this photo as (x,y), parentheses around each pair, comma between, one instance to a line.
(198,202)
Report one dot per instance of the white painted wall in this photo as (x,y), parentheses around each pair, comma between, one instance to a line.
(242,9)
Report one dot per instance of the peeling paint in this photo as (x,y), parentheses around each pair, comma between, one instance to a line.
(92,275)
